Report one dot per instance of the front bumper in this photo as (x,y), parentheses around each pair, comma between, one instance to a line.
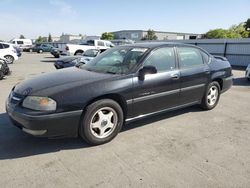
(50,125)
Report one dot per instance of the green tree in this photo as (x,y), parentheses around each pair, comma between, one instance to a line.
(107,36)
(239,29)
(247,25)
(221,33)
(21,37)
(50,38)
(150,35)
(40,39)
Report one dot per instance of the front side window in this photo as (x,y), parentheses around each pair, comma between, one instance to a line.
(19,42)
(162,59)
(116,60)
(189,57)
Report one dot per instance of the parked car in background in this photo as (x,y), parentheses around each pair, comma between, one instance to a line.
(71,61)
(123,84)
(23,44)
(40,48)
(248,72)
(4,69)
(75,49)
(18,51)
(56,52)
(8,52)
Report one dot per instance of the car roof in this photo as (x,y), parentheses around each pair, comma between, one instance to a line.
(152,45)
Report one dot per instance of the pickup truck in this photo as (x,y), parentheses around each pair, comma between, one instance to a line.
(79,49)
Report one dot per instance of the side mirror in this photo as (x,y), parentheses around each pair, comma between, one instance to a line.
(148,69)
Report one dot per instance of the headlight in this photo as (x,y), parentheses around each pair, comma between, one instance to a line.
(39,103)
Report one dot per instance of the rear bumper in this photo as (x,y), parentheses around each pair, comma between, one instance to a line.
(248,73)
(51,125)
(227,84)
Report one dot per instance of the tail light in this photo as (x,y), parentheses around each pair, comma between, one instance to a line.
(66,48)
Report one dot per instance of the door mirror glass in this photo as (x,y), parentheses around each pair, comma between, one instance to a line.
(148,69)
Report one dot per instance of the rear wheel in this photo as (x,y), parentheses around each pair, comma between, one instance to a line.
(102,121)
(40,51)
(9,59)
(211,97)
(30,50)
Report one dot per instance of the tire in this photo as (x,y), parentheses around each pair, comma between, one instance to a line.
(212,96)
(40,51)
(1,74)
(9,59)
(30,50)
(97,130)
(248,79)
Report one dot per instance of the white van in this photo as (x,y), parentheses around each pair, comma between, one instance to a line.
(22,43)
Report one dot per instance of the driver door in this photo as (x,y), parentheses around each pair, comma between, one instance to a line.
(161,90)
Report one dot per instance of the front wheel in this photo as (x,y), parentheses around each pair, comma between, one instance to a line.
(1,74)
(211,97)
(101,122)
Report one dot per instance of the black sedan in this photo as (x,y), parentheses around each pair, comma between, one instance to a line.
(124,83)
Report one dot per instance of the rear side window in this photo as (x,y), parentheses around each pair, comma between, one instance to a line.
(162,59)
(205,56)
(100,43)
(189,57)
(1,46)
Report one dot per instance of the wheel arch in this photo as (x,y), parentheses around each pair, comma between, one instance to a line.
(113,96)
(78,51)
(220,81)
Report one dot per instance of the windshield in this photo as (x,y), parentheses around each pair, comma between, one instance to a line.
(90,53)
(116,60)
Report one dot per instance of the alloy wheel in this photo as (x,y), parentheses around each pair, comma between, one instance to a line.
(103,122)
(212,96)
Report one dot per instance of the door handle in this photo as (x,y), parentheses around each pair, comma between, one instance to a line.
(175,76)
(207,71)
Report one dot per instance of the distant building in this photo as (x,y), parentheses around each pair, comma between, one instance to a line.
(55,39)
(71,38)
(137,35)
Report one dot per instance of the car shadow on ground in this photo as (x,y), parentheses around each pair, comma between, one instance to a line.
(16,144)
(49,61)
(241,81)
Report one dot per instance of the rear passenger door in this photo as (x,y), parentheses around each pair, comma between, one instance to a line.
(194,74)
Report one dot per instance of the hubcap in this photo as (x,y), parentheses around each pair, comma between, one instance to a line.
(8,59)
(103,122)
(212,95)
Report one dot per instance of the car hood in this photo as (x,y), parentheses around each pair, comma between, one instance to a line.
(58,78)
